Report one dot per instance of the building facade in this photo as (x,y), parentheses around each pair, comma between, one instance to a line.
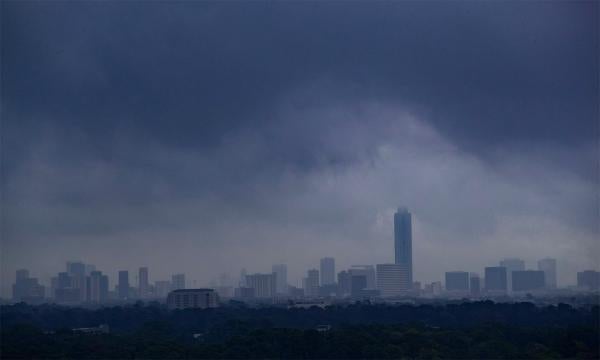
(263,285)
(143,284)
(281,285)
(327,271)
(311,284)
(548,266)
(192,299)
(495,280)
(403,240)
(457,281)
(528,280)
(392,279)
(123,286)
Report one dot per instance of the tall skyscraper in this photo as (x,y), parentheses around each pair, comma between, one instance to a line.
(327,271)
(512,265)
(143,285)
(123,286)
(311,287)
(392,279)
(403,240)
(178,282)
(280,271)
(548,266)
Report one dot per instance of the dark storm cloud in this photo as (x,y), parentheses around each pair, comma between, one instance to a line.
(228,127)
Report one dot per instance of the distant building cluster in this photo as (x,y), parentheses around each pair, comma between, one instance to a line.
(82,283)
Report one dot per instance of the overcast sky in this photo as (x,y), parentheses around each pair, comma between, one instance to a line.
(205,137)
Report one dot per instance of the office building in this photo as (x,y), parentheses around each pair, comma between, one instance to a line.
(495,280)
(27,289)
(76,271)
(475,285)
(511,265)
(344,280)
(528,280)
(588,280)
(548,266)
(403,240)
(311,284)
(281,285)
(392,279)
(123,285)
(143,284)
(97,287)
(178,281)
(263,285)
(358,283)
(368,271)
(457,281)
(327,271)
(192,299)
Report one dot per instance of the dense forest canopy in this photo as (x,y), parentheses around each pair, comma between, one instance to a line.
(468,330)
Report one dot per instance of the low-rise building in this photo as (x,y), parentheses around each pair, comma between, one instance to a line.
(192,299)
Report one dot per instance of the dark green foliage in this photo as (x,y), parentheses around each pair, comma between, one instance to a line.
(467,331)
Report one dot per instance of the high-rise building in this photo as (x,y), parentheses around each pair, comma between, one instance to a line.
(511,265)
(495,280)
(76,271)
(457,281)
(368,271)
(392,279)
(22,274)
(548,266)
(281,285)
(327,271)
(475,285)
(588,280)
(403,240)
(263,285)
(528,280)
(123,286)
(27,289)
(97,287)
(311,287)
(143,284)
(178,281)
(344,283)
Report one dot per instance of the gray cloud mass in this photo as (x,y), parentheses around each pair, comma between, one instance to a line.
(205,137)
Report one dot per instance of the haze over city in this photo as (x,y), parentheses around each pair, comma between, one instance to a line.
(205,138)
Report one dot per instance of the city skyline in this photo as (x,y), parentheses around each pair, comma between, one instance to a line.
(83,283)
